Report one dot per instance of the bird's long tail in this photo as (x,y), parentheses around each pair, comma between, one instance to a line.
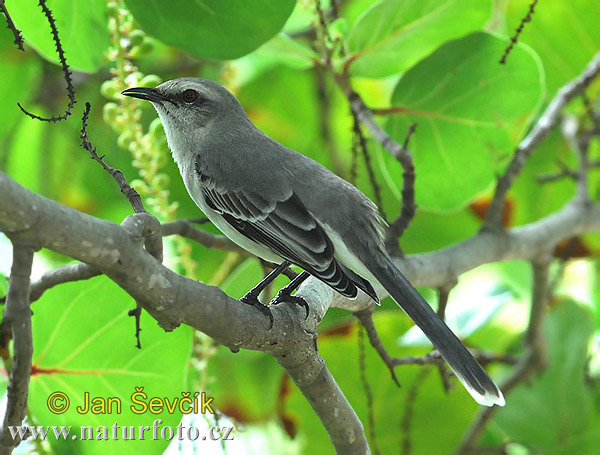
(475,379)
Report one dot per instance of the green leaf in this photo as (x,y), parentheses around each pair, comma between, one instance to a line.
(565,34)
(471,113)
(218,29)
(84,342)
(287,51)
(247,385)
(81,24)
(20,72)
(533,200)
(241,280)
(281,50)
(395,34)
(3,285)
(554,412)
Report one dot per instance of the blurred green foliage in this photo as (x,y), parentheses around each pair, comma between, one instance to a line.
(436,62)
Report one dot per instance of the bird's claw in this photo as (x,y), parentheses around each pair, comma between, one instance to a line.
(251,299)
(281,296)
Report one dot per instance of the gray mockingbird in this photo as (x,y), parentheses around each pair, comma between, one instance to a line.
(288,209)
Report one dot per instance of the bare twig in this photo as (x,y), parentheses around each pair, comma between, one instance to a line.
(592,114)
(362,142)
(400,152)
(132,195)
(564,172)
(534,357)
(366,319)
(515,38)
(409,408)
(66,274)
(362,368)
(409,208)
(354,159)
(186,229)
(65,68)
(136,313)
(11,26)
(539,131)
(433,358)
(17,319)
(324,118)
(443,295)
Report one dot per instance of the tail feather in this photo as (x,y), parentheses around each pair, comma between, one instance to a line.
(469,372)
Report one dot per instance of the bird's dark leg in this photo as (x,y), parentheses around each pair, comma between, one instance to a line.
(284,293)
(251,297)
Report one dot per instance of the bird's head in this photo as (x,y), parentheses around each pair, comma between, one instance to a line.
(191,107)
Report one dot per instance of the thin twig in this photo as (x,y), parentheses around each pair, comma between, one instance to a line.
(433,358)
(137,314)
(443,295)
(17,319)
(354,158)
(515,38)
(564,172)
(362,368)
(409,408)
(324,118)
(65,68)
(534,357)
(186,229)
(539,131)
(366,319)
(132,195)
(66,274)
(409,208)
(11,26)
(400,152)
(592,114)
(362,142)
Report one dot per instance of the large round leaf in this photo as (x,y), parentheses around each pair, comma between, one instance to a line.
(83,342)
(20,72)
(81,26)
(471,112)
(219,29)
(395,34)
(554,412)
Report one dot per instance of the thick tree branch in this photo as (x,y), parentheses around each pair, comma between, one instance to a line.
(17,319)
(539,131)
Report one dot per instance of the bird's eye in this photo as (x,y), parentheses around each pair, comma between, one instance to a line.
(189,96)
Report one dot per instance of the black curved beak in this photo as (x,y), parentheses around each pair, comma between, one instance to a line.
(145,93)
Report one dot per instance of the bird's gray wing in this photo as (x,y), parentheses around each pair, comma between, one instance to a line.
(282,223)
